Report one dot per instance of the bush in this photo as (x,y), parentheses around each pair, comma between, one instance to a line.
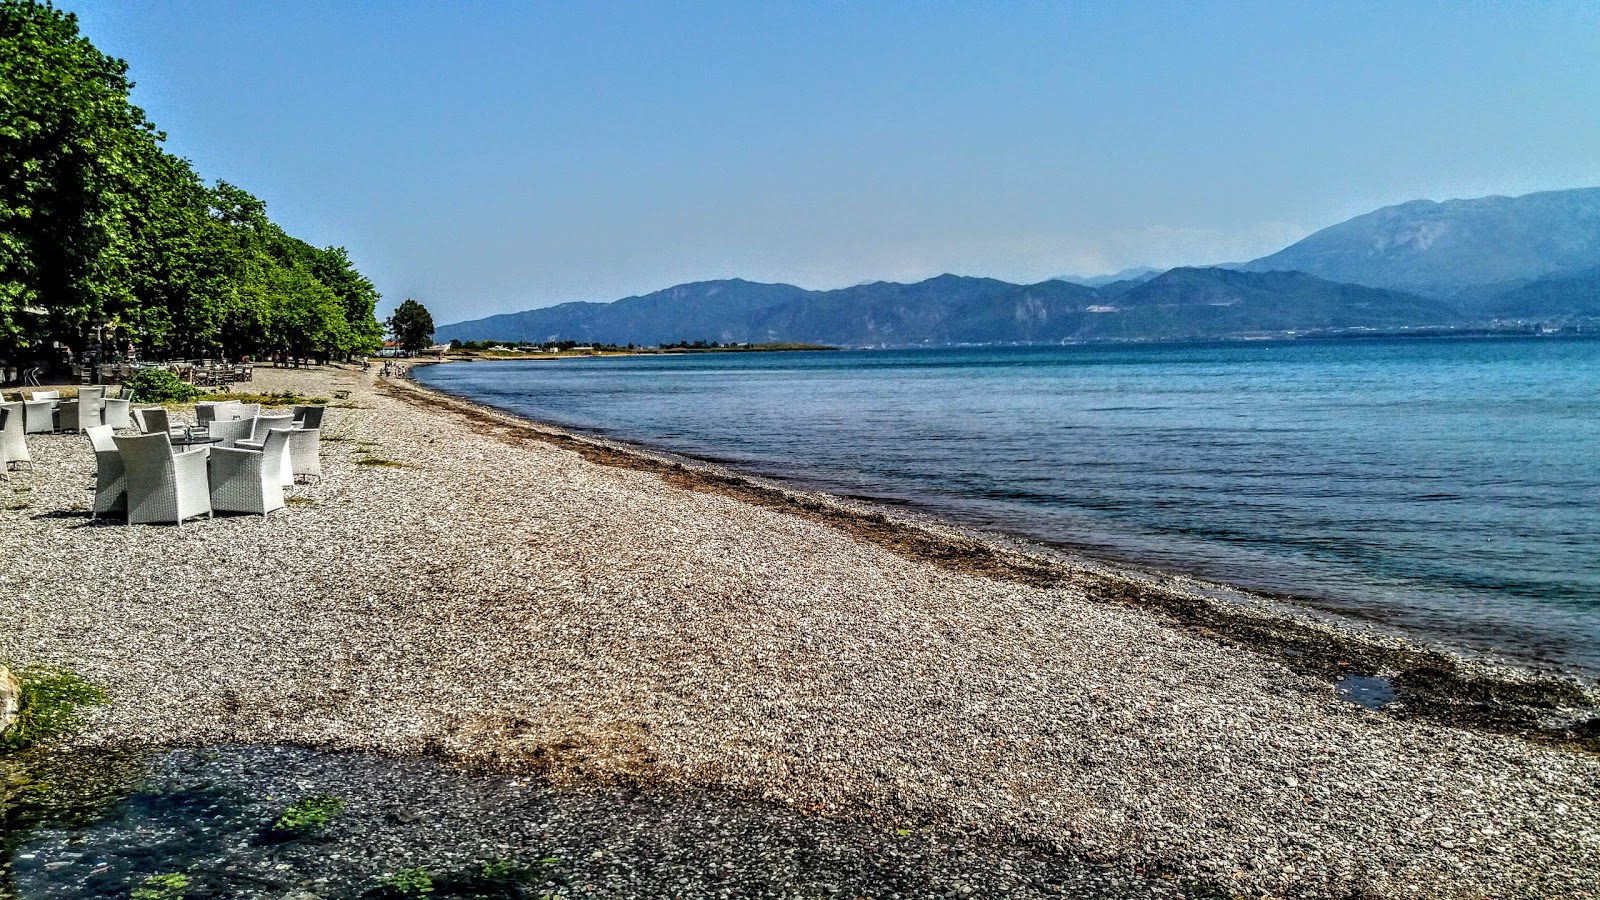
(159,386)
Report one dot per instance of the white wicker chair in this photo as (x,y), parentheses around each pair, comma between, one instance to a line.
(163,486)
(117,413)
(231,430)
(305,453)
(265,424)
(95,394)
(39,416)
(77,415)
(249,481)
(152,420)
(308,417)
(258,441)
(110,481)
(13,446)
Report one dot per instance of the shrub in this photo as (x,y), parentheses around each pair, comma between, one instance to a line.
(159,386)
(309,814)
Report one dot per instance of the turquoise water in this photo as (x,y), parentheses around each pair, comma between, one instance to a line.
(1451,488)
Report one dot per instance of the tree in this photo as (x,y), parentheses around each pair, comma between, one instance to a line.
(104,232)
(412,326)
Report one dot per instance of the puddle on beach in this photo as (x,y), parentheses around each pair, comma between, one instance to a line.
(1371,691)
(87,825)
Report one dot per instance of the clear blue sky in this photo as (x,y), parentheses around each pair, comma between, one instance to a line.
(490,157)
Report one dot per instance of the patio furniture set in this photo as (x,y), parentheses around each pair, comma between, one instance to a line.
(233,458)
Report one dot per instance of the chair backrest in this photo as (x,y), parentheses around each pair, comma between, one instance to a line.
(205,412)
(152,419)
(45,395)
(115,413)
(267,423)
(39,416)
(102,438)
(91,394)
(147,458)
(246,410)
(273,447)
(308,416)
(228,410)
(231,431)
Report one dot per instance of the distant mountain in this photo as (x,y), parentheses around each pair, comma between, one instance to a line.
(706,310)
(1197,303)
(1135,274)
(950,309)
(1444,249)
(1550,300)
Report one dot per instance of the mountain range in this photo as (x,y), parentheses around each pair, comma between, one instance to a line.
(1418,265)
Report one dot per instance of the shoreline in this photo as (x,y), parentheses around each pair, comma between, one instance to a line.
(1441,684)
(467,586)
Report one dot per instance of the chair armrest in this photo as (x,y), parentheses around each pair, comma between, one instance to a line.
(250,445)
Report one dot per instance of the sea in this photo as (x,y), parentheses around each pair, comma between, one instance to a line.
(1447,488)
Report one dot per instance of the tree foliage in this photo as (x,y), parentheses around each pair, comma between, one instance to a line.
(412,326)
(104,232)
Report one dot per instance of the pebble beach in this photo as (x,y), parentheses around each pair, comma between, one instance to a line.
(466,586)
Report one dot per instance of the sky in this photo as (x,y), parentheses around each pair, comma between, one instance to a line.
(490,157)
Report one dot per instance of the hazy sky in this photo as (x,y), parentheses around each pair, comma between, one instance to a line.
(489,157)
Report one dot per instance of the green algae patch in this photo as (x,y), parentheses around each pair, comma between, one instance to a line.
(52,704)
(309,814)
(170,886)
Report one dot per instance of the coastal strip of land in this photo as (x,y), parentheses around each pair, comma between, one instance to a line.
(465,584)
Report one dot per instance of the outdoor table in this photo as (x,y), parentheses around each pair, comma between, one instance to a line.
(190,440)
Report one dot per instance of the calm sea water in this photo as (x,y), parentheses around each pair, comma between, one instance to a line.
(1448,487)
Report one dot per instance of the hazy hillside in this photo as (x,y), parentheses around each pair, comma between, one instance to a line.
(1552,300)
(1442,248)
(1422,264)
(1135,274)
(949,309)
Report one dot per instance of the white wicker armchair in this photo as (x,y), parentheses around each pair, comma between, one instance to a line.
(13,446)
(229,431)
(95,395)
(77,415)
(265,424)
(264,427)
(152,420)
(117,413)
(249,481)
(110,480)
(305,453)
(39,416)
(163,486)
(308,417)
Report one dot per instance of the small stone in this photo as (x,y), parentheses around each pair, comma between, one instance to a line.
(10,699)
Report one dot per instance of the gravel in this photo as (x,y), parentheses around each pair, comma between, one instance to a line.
(506,602)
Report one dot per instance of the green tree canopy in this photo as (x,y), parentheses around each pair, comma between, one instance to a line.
(412,326)
(104,232)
